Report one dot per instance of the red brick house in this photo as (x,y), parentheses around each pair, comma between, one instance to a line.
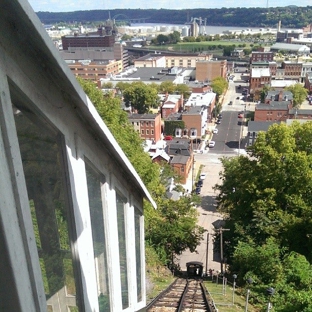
(148,125)
(261,57)
(259,77)
(172,104)
(275,108)
(308,82)
(181,157)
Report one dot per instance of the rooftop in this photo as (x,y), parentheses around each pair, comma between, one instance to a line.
(289,46)
(256,126)
(273,106)
(143,116)
(152,74)
(200,99)
(260,72)
(282,83)
(149,57)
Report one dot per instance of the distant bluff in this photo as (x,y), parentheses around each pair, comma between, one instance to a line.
(290,16)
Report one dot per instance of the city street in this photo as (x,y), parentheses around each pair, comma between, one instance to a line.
(229,132)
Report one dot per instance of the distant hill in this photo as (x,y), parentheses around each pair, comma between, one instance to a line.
(290,16)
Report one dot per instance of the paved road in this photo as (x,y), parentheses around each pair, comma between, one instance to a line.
(226,146)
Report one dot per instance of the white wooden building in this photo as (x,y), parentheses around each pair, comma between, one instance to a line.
(71,204)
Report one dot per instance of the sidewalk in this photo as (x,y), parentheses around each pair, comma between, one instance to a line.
(192,177)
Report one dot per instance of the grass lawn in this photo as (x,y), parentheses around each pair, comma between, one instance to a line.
(191,46)
(223,298)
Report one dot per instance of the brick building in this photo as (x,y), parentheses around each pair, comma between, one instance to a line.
(259,77)
(195,120)
(261,57)
(275,108)
(208,70)
(271,112)
(151,60)
(182,165)
(172,104)
(115,52)
(94,70)
(202,99)
(308,82)
(181,157)
(170,60)
(292,70)
(87,41)
(148,125)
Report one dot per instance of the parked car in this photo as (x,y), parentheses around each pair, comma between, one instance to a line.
(218,121)
(202,176)
(220,116)
(200,183)
(231,103)
(240,115)
(197,190)
(212,144)
(168,138)
(215,130)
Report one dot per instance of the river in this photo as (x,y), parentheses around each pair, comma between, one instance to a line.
(209,30)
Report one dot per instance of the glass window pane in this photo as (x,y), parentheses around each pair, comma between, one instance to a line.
(44,170)
(122,250)
(95,182)
(137,227)
(8,294)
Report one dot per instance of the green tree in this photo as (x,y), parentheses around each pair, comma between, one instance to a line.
(172,227)
(183,89)
(299,94)
(264,92)
(289,273)
(162,39)
(219,85)
(247,51)
(117,121)
(167,87)
(227,50)
(126,37)
(121,86)
(141,97)
(107,85)
(174,37)
(269,193)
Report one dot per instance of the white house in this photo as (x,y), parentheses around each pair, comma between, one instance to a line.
(71,204)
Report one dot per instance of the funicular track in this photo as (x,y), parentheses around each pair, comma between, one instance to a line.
(184,295)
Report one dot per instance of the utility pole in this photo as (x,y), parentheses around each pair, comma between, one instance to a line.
(221,230)
(207,254)
(193,161)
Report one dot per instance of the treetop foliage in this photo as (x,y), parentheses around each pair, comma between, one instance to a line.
(291,16)
(299,93)
(219,85)
(266,199)
(172,227)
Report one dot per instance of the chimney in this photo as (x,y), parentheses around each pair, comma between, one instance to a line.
(280,96)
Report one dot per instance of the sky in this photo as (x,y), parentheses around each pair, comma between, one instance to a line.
(79,5)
